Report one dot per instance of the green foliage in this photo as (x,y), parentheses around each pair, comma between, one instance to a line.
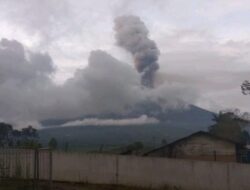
(66,146)
(29,143)
(5,133)
(245,87)
(245,136)
(53,143)
(29,132)
(134,148)
(230,126)
(27,137)
(164,142)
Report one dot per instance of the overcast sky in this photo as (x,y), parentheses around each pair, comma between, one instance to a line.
(204,45)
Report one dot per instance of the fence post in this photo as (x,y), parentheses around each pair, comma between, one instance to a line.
(117,169)
(50,168)
(38,168)
(215,158)
(34,169)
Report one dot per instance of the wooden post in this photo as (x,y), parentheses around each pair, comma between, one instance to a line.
(35,169)
(50,168)
(215,158)
(117,170)
(38,168)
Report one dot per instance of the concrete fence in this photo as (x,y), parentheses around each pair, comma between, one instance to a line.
(25,163)
(136,171)
(150,172)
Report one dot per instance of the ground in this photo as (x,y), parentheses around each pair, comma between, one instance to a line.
(29,185)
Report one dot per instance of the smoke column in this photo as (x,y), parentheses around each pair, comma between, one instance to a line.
(132,34)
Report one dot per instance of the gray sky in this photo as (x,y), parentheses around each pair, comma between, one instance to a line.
(204,45)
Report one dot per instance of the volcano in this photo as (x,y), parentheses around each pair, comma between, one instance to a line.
(172,124)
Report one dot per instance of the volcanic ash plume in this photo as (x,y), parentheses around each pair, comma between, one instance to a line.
(132,34)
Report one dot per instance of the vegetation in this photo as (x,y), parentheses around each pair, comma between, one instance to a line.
(164,142)
(66,146)
(9,137)
(230,126)
(52,143)
(245,87)
(134,148)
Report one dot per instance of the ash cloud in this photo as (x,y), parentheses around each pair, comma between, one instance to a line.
(214,64)
(24,79)
(106,85)
(132,34)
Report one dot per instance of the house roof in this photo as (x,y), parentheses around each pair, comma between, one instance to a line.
(199,133)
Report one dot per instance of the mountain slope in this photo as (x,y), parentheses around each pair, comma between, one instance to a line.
(173,124)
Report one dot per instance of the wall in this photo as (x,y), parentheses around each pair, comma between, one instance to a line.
(20,163)
(77,167)
(199,147)
(203,145)
(130,170)
(150,172)
(17,163)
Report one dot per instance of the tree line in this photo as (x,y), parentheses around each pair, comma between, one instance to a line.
(232,126)
(24,138)
(10,137)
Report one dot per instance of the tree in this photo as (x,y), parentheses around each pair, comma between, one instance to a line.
(66,146)
(30,143)
(245,87)
(27,137)
(29,132)
(164,142)
(52,143)
(135,147)
(245,137)
(16,134)
(5,133)
(230,126)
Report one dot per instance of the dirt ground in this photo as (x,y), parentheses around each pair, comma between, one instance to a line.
(29,185)
(66,186)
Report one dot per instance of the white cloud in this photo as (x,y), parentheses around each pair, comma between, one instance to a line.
(142,120)
(214,69)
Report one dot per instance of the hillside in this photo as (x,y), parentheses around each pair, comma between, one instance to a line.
(173,125)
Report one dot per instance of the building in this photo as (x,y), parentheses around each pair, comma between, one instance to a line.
(199,146)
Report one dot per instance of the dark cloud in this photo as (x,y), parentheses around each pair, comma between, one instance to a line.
(132,34)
